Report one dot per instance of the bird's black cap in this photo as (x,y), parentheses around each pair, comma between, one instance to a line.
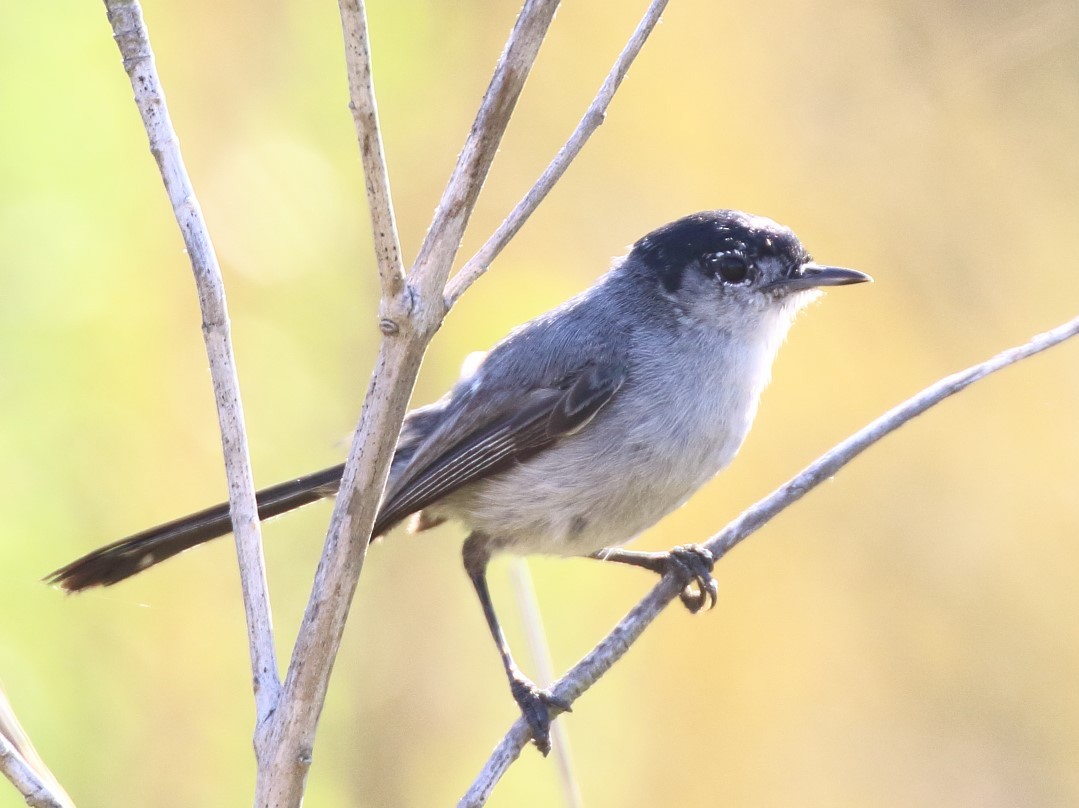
(670,250)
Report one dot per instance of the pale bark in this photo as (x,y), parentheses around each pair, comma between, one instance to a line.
(593,117)
(408,320)
(21,764)
(129,31)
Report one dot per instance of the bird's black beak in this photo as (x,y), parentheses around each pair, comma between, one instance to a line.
(811,276)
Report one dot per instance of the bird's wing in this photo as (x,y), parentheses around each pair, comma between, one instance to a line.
(488,431)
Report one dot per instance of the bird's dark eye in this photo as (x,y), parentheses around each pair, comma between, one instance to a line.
(728,267)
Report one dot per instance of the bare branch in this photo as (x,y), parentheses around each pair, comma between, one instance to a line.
(410,313)
(22,765)
(591,121)
(289,738)
(133,40)
(443,239)
(365,116)
(601,658)
(25,779)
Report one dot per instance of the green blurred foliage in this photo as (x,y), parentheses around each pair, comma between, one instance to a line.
(907,635)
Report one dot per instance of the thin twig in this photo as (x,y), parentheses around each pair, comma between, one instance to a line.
(528,604)
(591,121)
(22,765)
(443,238)
(289,738)
(133,40)
(600,659)
(369,133)
(25,779)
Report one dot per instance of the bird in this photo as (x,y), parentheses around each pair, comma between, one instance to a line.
(581,428)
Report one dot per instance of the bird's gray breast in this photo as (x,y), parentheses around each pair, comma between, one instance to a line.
(679,419)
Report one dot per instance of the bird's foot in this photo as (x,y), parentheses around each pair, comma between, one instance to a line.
(537,706)
(692,564)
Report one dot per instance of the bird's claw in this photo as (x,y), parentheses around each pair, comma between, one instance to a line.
(537,707)
(693,564)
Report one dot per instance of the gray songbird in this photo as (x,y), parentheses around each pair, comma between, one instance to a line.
(581,428)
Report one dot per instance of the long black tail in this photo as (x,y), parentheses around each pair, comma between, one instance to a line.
(122,559)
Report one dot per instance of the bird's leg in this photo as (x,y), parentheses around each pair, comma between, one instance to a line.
(691,563)
(536,704)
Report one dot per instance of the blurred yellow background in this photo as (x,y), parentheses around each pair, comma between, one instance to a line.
(907,635)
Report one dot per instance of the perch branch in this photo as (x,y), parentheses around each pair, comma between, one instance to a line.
(132,38)
(419,306)
(591,121)
(600,659)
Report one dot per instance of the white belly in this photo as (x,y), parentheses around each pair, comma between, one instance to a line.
(625,471)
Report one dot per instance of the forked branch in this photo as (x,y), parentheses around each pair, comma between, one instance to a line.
(590,122)
(408,321)
(411,309)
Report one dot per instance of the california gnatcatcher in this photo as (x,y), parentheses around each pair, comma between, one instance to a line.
(582,427)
